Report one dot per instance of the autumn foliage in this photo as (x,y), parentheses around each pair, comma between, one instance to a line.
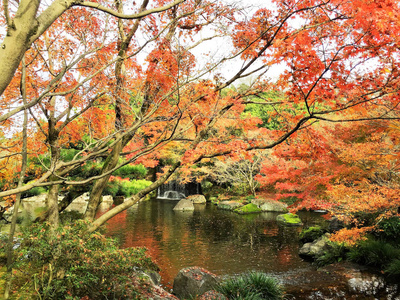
(148,87)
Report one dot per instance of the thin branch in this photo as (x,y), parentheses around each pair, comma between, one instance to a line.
(128,17)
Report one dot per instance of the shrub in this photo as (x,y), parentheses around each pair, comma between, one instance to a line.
(36,191)
(131,171)
(121,187)
(374,253)
(251,286)
(69,263)
(336,253)
(129,188)
(393,268)
(389,230)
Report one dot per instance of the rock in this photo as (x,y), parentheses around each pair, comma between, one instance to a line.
(335,225)
(193,281)
(270,205)
(108,198)
(158,293)
(289,219)
(39,198)
(152,276)
(311,234)
(316,248)
(197,199)
(153,291)
(184,205)
(248,209)
(84,198)
(229,205)
(212,295)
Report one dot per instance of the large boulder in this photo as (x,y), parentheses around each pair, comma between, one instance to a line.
(316,248)
(229,205)
(107,198)
(82,199)
(184,205)
(289,219)
(38,198)
(193,281)
(267,205)
(197,199)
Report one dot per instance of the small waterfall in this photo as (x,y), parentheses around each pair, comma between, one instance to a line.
(176,191)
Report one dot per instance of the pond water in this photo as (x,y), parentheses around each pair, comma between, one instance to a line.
(227,243)
(220,241)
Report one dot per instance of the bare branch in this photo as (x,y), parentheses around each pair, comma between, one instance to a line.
(129,17)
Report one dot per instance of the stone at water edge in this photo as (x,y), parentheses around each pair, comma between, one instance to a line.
(289,219)
(193,281)
(229,205)
(267,205)
(184,205)
(248,209)
(316,248)
(197,199)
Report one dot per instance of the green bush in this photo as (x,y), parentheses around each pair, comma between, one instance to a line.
(336,253)
(36,191)
(289,200)
(251,286)
(125,188)
(393,268)
(129,188)
(374,253)
(131,171)
(389,230)
(69,263)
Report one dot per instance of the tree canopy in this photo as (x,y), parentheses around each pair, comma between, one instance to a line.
(115,79)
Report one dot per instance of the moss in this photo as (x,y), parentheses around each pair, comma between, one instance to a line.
(311,234)
(248,209)
(289,219)
(214,200)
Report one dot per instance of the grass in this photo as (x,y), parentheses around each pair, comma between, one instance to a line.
(251,286)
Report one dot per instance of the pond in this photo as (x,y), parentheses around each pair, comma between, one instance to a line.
(227,243)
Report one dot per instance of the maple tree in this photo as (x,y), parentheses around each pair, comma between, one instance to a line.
(341,60)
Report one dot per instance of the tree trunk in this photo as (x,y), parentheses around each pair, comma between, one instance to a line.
(10,243)
(17,41)
(52,206)
(100,184)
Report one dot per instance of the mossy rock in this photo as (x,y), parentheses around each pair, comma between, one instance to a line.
(311,234)
(248,209)
(289,219)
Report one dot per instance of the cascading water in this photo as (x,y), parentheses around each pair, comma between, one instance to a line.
(176,191)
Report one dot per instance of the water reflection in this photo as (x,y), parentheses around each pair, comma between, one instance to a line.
(220,241)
